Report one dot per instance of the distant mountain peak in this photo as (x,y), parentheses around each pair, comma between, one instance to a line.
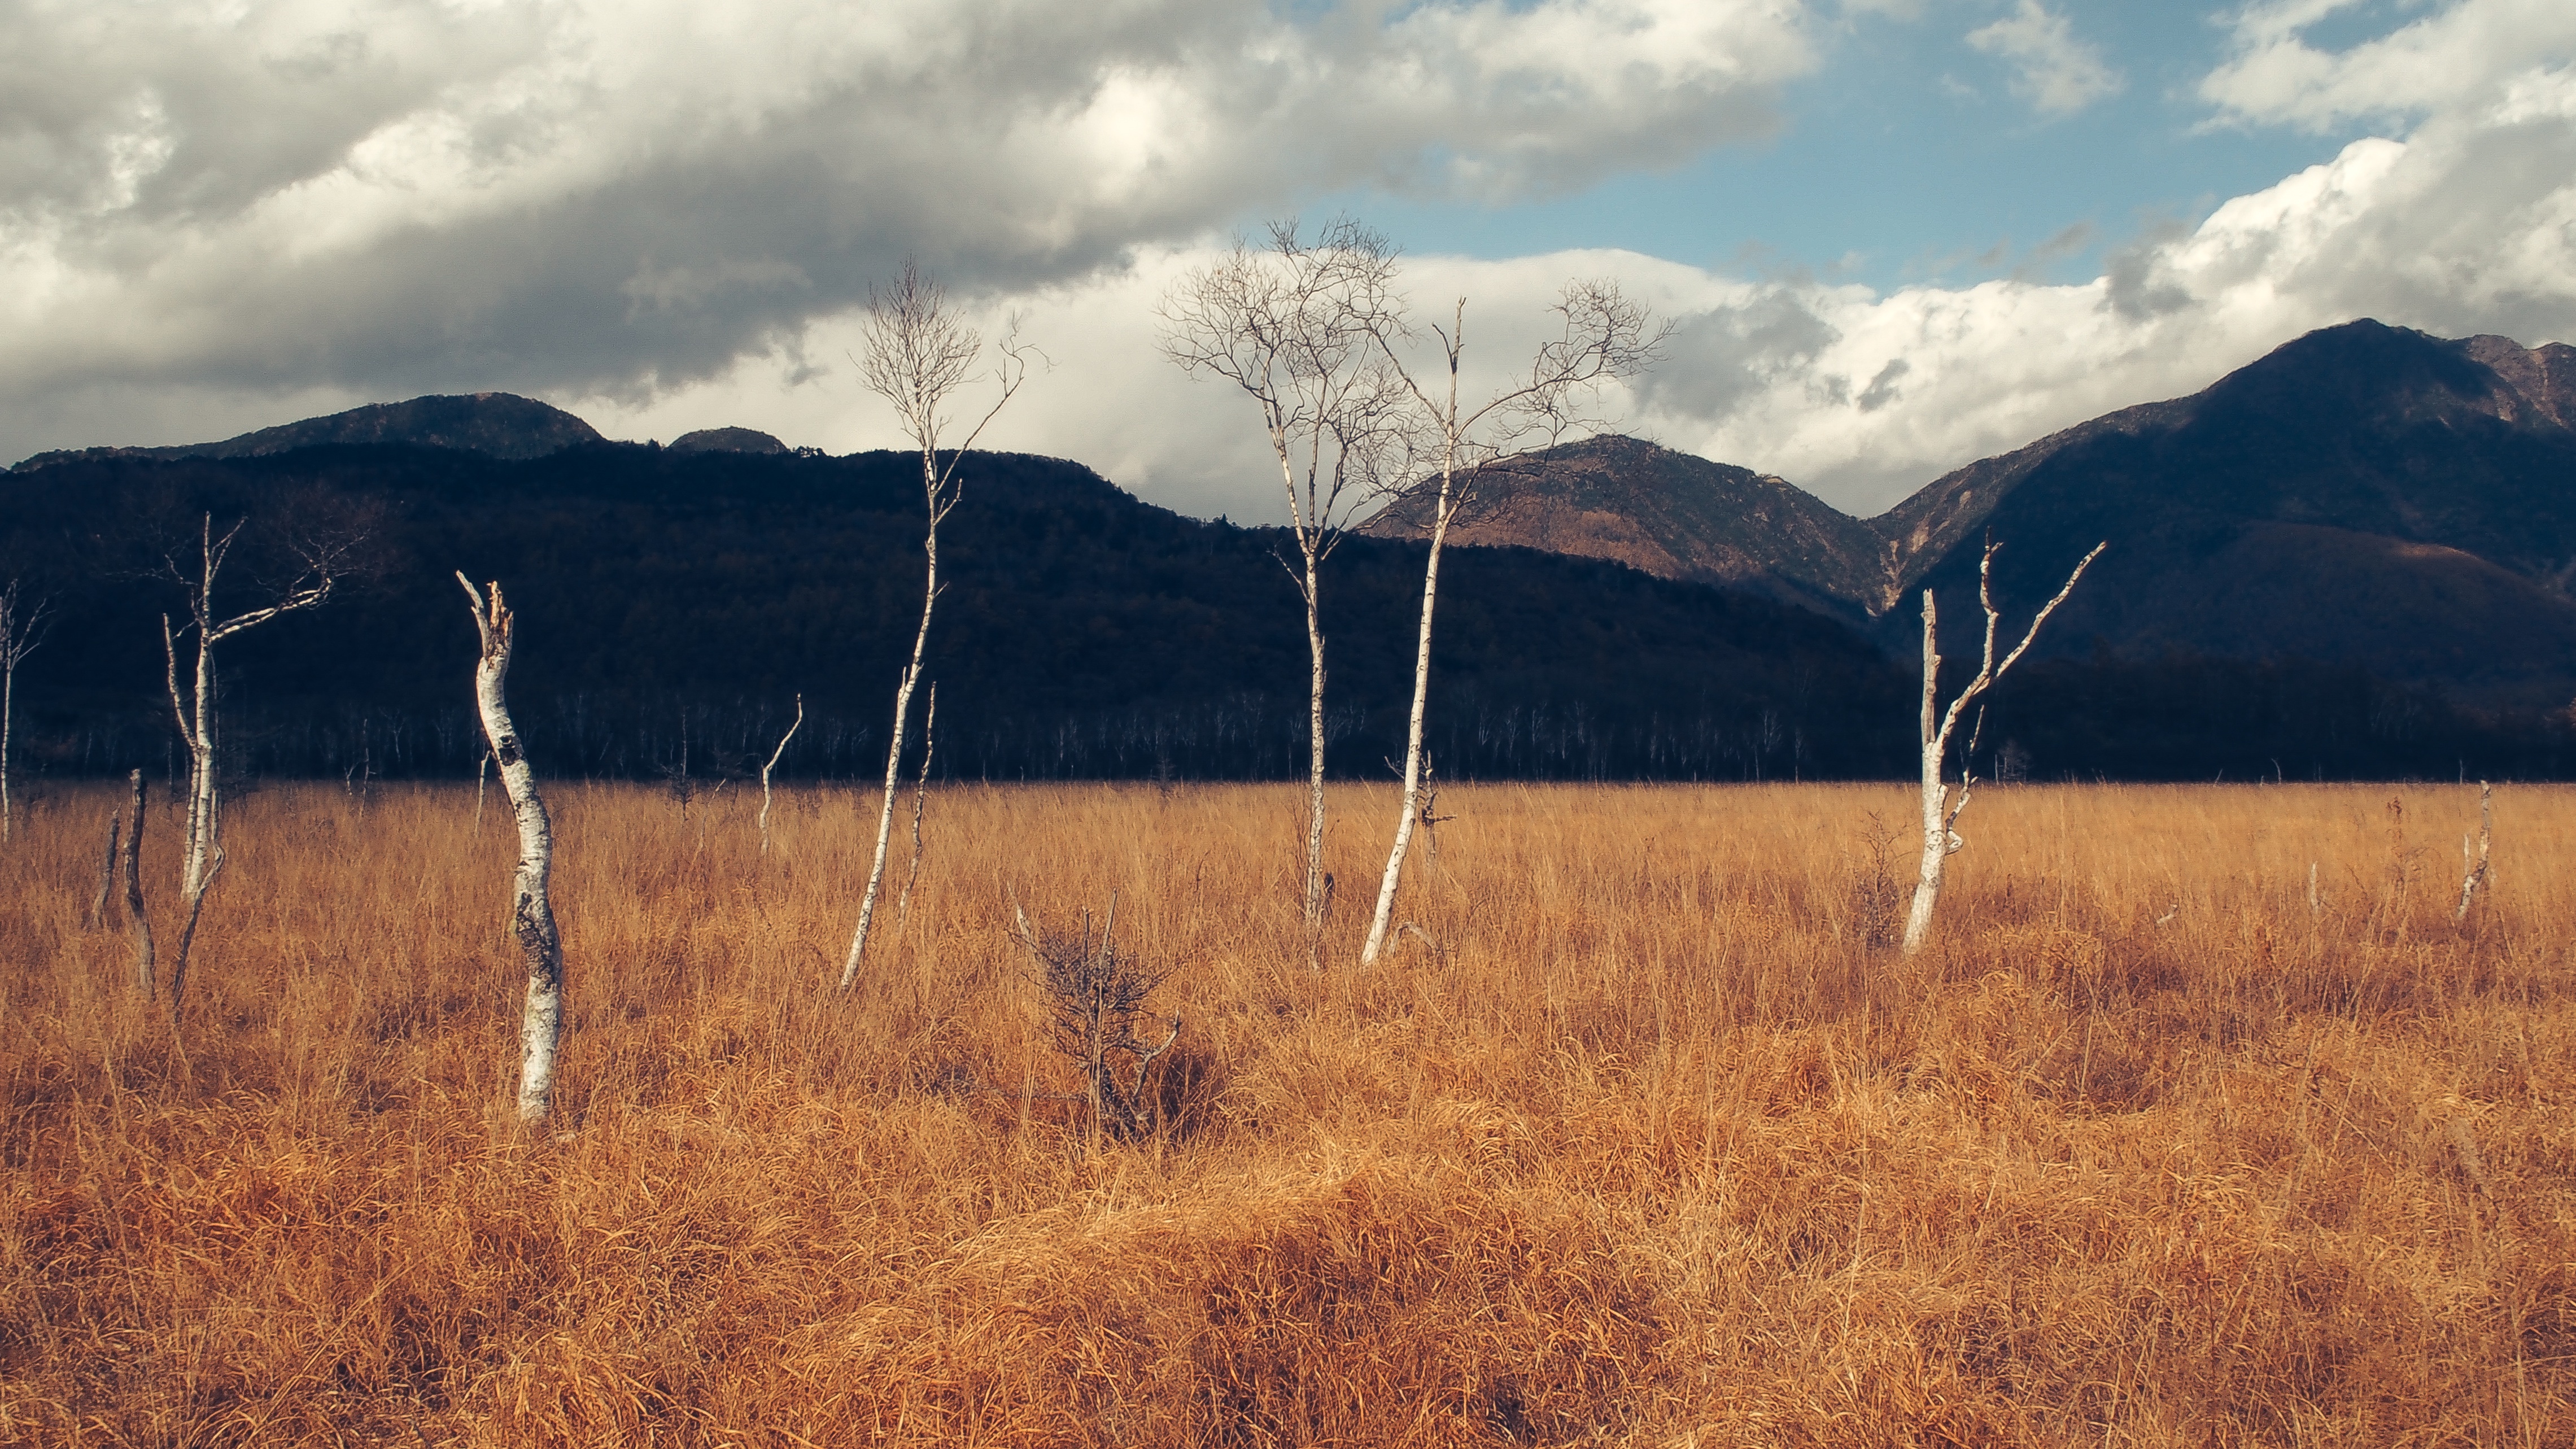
(726,440)
(495,424)
(1670,514)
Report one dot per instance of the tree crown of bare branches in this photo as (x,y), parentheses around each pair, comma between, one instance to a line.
(1603,337)
(914,352)
(22,625)
(1296,325)
(323,559)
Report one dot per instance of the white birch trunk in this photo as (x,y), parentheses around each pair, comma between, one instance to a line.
(2474,862)
(774,757)
(1315,882)
(532,917)
(20,626)
(1411,809)
(8,714)
(202,852)
(902,714)
(1935,796)
(1937,727)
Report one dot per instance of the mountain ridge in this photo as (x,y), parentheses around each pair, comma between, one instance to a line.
(496,424)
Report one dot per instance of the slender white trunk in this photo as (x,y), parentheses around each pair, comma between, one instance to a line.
(1937,728)
(2474,861)
(1315,881)
(203,851)
(8,712)
(902,713)
(482,773)
(1412,807)
(532,917)
(774,757)
(1935,795)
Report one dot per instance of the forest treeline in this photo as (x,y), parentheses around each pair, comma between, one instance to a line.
(675,605)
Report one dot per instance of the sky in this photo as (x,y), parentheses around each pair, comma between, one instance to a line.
(1890,236)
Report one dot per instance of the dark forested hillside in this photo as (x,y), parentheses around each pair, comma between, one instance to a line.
(673,604)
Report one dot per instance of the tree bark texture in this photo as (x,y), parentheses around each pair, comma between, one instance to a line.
(532,917)
(137,923)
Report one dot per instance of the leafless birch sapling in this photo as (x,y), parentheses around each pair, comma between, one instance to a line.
(2474,862)
(1295,325)
(915,353)
(772,764)
(194,706)
(1604,337)
(22,627)
(532,915)
(1938,727)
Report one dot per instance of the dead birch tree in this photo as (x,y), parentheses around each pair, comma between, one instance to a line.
(1295,325)
(1604,337)
(772,764)
(2473,862)
(194,706)
(916,353)
(1938,727)
(532,915)
(22,627)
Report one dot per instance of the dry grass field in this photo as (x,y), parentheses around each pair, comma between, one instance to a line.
(1643,1140)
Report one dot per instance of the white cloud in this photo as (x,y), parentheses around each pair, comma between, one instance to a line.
(2466,226)
(574,195)
(2053,70)
(2461,55)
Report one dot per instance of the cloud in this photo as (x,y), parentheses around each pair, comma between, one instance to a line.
(2467,225)
(617,199)
(2464,54)
(2057,73)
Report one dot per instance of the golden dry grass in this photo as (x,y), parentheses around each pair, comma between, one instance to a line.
(1648,1144)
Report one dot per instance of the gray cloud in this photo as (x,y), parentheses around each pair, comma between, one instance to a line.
(415,195)
(1882,388)
(1719,360)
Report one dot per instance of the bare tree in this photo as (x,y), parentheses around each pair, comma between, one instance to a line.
(137,923)
(322,563)
(1938,727)
(2473,862)
(916,353)
(22,627)
(532,915)
(772,764)
(1603,337)
(1096,997)
(1296,325)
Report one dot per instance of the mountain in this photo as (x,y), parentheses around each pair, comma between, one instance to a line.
(1666,513)
(672,604)
(727,440)
(495,424)
(2364,495)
